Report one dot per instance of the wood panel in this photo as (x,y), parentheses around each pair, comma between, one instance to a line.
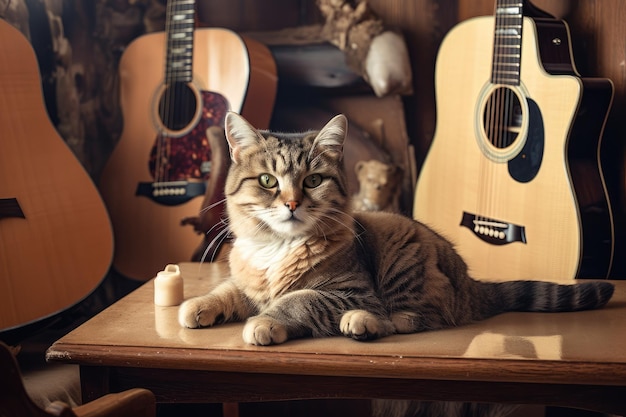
(255,15)
(423,23)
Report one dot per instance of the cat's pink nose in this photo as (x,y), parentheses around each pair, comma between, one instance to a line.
(292,205)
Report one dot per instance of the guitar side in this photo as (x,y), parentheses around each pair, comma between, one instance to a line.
(56,242)
(457,178)
(148,235)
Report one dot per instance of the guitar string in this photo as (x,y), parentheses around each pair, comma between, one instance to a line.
(498,112)
(509,77)
(164,101)
(493,102)
(179,70)
(499,120)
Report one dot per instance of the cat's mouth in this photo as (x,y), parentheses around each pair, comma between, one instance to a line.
(291,225)
(293,218)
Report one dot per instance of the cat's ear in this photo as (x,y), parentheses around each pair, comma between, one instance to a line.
(240,134)
(330,139)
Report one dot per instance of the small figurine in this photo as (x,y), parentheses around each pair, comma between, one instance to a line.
(379,186)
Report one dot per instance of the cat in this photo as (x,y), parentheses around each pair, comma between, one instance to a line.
(303,265)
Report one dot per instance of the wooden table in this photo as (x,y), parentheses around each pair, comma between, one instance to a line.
(563,359)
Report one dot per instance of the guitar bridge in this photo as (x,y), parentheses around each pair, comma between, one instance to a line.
(171,193)
(493,231)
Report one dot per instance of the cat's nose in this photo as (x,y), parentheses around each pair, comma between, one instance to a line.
(292,205)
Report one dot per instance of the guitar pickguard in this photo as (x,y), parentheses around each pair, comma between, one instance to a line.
(174,161)
(525,166)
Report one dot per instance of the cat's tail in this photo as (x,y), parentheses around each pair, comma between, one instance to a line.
(542,296)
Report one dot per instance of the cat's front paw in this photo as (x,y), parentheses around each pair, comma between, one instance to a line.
(198,312)
(361,325)
(263,330)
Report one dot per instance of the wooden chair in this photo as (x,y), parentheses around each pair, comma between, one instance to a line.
(15,402)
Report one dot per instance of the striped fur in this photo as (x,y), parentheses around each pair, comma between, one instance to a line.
(303,265)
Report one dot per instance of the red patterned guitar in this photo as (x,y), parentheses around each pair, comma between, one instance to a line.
(157,174)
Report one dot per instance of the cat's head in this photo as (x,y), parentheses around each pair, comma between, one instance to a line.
(286,185)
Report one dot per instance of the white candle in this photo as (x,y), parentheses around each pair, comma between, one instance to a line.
(168,287)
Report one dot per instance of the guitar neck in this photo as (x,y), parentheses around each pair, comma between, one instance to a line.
(180,25)
(507,42)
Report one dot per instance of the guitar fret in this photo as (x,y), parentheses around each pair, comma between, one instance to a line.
(183,20)
(180,35)
(509,30)
(180,30)
(506,51)
(180,50)
(506,80)
(501,68)
(507,42)
(509,81)
(509,63)
(504,11)
(183,17)
(179,64)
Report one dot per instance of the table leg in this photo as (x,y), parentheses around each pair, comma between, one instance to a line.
(94,382)
(230,409)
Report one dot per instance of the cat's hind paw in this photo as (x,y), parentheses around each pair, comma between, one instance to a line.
(262,330)
(198,312)
(361,325)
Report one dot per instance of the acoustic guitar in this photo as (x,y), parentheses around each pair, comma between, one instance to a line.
(174,86)
(513,176)
(56,242)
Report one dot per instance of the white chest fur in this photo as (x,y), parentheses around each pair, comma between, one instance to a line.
(268,256)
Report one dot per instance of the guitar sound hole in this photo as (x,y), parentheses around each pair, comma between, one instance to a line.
(502,117)
(177,106)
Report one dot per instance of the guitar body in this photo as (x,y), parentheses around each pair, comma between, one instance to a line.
(227,71)
(536,209)
(56,242)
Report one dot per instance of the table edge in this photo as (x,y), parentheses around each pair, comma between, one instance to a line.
(327,364)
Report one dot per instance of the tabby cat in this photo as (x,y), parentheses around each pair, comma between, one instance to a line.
(303,265)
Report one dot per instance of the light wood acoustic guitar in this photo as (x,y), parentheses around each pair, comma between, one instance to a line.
(56,242)
(174,86)
(513,176)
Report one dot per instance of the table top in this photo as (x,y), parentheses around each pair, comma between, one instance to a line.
(562,348)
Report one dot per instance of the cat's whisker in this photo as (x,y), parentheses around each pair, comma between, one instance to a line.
(217,241)
(216,244)
(222,222)
(211,206)
(338,221)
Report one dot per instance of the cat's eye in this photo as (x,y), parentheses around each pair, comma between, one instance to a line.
(267,181)
(312,180)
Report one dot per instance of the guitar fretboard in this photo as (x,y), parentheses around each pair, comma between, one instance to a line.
(507,42)
(179,28)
